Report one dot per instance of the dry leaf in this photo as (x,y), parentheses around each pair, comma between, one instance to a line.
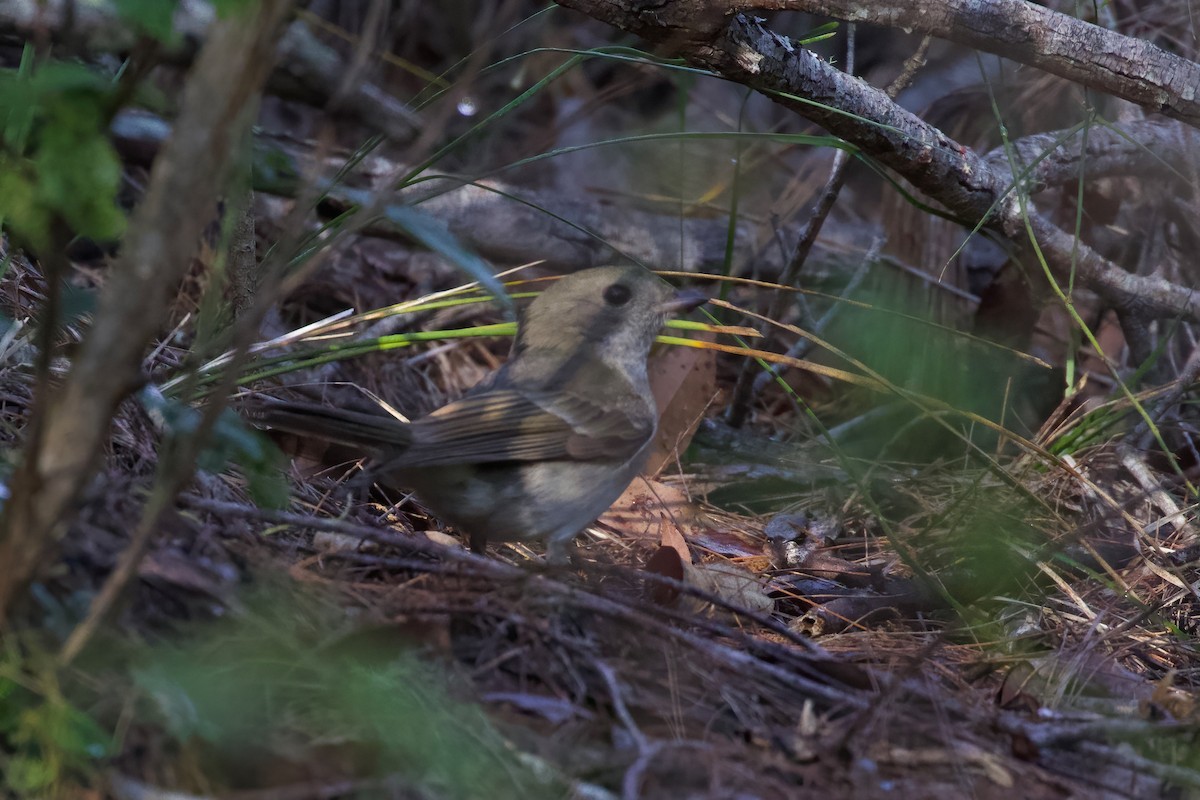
(672,537)
(684,382)
(667,563)
(732,583)
(641,508)
(1012,693)
(444,539)
(1169,698)
(756,564)
(331,542)
(807,744)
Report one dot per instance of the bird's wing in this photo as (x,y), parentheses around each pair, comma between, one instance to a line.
(510,425)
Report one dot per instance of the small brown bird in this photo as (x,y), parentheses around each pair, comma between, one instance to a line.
(548,442)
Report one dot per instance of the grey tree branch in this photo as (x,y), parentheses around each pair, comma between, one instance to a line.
(742,49)
(180,199)
(1070,48)
(1146,148)
(1063,46)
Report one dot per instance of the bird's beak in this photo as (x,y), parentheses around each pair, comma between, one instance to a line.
(684,300)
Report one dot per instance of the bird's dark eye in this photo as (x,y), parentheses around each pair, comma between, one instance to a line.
(617,295)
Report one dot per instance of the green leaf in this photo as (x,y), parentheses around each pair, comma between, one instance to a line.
(284,677)
(261,462)
(21,211)
(227,8)
(231,441)
(24,94)
(19,116)
(10,693)
(820,33)
(61,78)
(49,738)
(29,774)
(79,171)
(268,486)
(75,733)
(59,159)
(152,17)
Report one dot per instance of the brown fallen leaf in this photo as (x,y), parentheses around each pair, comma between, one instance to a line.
(672,537)
(641,509)
(665,562)
(1167,697)
(684,382)
(732,583)
(669,561)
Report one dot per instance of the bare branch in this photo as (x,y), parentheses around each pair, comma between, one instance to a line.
(747,52)
(1157,148)
(1070,48)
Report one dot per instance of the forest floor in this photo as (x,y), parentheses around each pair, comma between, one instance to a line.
(944,633)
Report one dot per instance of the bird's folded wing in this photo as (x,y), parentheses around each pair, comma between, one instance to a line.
(507,425)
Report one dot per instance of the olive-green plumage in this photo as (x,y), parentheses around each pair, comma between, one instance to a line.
(546,444)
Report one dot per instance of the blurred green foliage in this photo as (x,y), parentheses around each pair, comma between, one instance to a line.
(230,441)
(913,347)
(155,18)
(258,693)
(56,160)
(286,689)
(150,17)
(47,739)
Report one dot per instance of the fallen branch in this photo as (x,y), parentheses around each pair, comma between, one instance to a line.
(742,49)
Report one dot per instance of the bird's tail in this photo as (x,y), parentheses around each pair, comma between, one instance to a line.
(355,428)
